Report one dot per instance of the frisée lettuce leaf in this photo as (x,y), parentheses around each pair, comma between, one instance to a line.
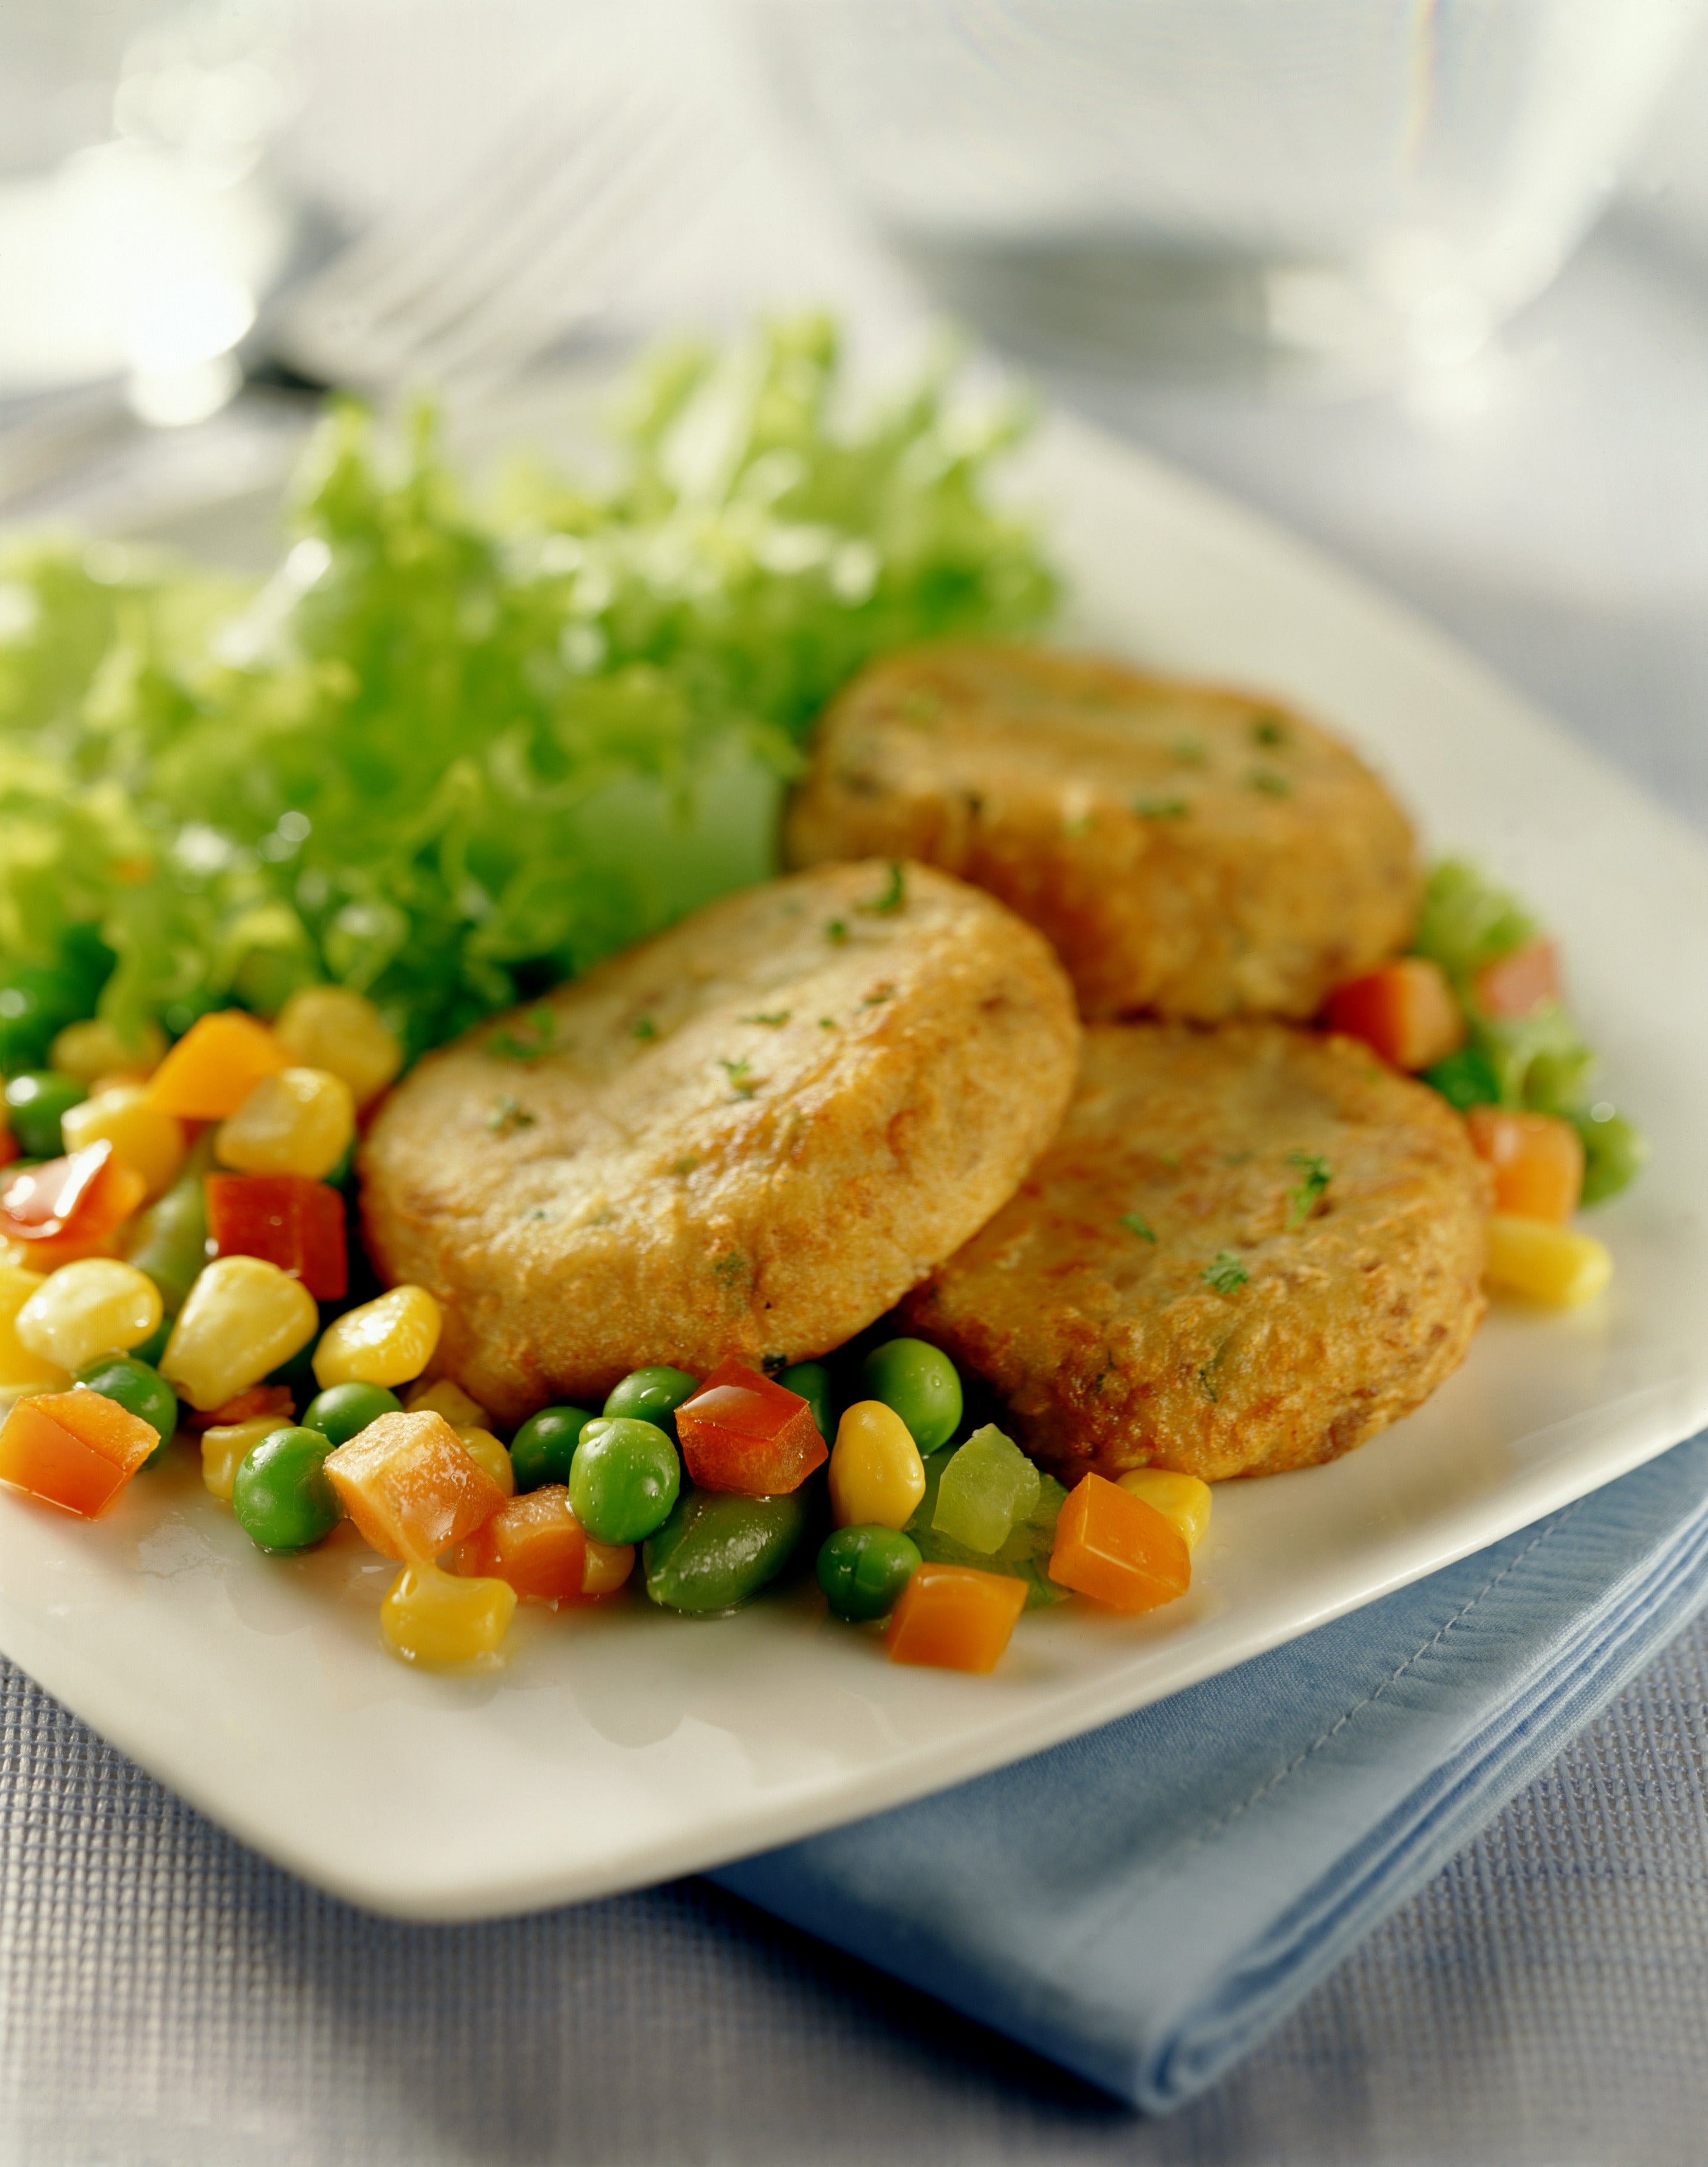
(447,753)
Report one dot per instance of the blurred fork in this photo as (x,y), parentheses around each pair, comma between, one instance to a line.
(521,246)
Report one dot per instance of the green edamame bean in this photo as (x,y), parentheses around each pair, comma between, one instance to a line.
(281,1496)
(652,1396)
(625,1479)
(341,1410)
(34,1103)
(172,1239)
(151,1349)
(864,1570)
(921,1384)
(717,1549)
(36,1004)
(811,1380)
(1614,1152)
(139,1388)
(543,1449)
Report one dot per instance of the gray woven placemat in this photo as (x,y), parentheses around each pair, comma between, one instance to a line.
(166,1997)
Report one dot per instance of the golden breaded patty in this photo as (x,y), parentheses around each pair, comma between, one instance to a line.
(747,1136)
(1249,1249)
(1190,852)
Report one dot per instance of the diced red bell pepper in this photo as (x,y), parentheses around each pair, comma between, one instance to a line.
(1518,984)
(1405,1012)
(74,1450)
(743,1432)
(247,1406)
(287,1219)
(86,1194)
(10,1149)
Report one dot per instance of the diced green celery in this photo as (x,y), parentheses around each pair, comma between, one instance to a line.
(1025,1555)
(988,1484)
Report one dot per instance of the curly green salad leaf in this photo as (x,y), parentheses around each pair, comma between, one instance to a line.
(1540,1062)
(448,755)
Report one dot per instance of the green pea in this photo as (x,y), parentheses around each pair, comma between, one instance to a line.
(921,1384)
(34,1103)
(652,1396)
(864,1570)
(172,1239)
(1615,1151)
(281,1496)
(544,1447)
(35,1005)
(137,1387)
(717,1549)
(341,1410)
(811,1380)
(625,1479)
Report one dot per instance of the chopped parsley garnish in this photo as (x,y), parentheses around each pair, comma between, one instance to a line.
(837,931)
(827,1023)
(1269,730)
(731,1270)
(1271,784)
(1225,1272)
(683,1167)
(1190,752)
(1161,809)
(895,894)
(507,1115)
(879,995)
(743,1082)
(508,1047)
(1136,1225)
(644,1028)
(773,1022)
(1318,1174)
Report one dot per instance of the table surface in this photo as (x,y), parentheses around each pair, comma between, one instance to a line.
(166,1996)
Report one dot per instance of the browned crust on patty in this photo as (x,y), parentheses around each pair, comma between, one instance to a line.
(1189,851)
(751,1136)
(1114,1351)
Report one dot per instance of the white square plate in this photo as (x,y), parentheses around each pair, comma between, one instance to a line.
(619,1748)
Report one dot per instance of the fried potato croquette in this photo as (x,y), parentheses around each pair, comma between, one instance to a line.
(748,1136)
(1248,1249)
(1190,852)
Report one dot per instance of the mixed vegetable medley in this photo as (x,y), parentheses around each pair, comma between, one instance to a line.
(254,860)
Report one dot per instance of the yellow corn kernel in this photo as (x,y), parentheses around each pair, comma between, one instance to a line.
(241,1318)
(331,1027)
(97,1306)
(386,1342)
(608,1566)
(1550,1264)
(876,1475)
(144,1137)
(442,1398)
(1182,1498)
(18,1367)
(300,1121)
(90,1051)
(484,1449)
(227,1445)
(433,1616)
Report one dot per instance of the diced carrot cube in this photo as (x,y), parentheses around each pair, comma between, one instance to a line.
(74,1450)
(271,1400)
(1406,1012)
(287,1219)
(1517,985)
(536,1544)
(411,1487)
(954,1616)
(1537,1161)
(215,1067)
(81,1196)
(1115,1548)
(743,1432)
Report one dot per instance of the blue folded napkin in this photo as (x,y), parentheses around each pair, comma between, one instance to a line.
(1142,1904)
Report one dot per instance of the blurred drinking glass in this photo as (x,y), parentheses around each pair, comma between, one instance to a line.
(138,229)
(1319,190)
